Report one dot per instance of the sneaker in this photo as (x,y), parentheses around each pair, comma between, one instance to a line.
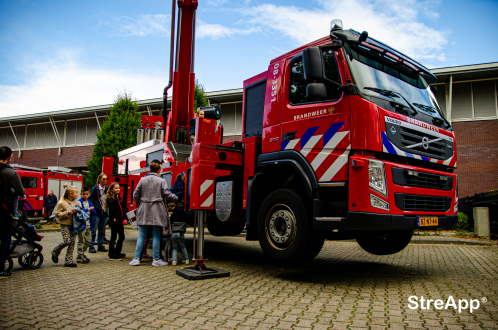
(5,274)
(102,249)
(71,265)
(106,241)
(146,256)
(15,217)
(85,259)
(186,262)
(134,262)
(159,263)
(174,263)
(170,260)
(122,255)
(92,250)
(80,260)
(55,259)
(115,258)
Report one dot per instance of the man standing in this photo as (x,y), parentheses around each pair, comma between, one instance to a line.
(49,204)
(9,179)
(200,115)
(97,197)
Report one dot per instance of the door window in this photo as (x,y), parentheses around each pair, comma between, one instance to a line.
(297,92)
(28,182)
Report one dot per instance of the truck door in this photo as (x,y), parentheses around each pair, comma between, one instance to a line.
(317,130)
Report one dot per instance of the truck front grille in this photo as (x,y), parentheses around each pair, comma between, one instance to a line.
(410,178)
(422,203)
(410,137)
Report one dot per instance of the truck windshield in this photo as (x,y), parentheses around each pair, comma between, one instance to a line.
(375,76)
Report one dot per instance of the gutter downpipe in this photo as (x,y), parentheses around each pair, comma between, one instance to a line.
(170,83)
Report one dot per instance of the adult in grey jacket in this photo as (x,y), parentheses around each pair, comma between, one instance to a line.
(151,197)
(9,179)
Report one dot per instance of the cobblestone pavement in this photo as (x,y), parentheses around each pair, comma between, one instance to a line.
(343,288)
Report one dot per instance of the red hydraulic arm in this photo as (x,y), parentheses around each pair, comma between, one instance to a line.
(183,77)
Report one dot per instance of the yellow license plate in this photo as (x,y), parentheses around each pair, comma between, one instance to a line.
(427,221)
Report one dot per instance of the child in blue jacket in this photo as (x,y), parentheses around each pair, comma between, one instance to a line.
(85,234)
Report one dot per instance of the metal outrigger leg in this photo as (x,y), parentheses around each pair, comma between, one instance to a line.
(200,271)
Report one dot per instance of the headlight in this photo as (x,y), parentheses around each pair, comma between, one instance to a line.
(377,176)
(378,203)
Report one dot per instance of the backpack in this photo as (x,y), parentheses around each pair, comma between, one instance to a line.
(5,197)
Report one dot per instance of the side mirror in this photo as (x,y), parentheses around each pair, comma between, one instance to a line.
(313,64)
(316,92)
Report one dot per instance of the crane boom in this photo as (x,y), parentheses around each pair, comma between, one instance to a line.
(183,77)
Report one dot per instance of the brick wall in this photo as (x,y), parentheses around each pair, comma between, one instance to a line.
(477,147)
(232,138)
(69,157)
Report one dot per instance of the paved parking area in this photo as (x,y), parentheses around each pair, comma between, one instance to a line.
(343,288)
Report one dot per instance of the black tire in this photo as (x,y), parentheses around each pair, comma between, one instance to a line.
(220,228)
(386,243)
(285,229)
(24,261)
(35,260)
(9,264)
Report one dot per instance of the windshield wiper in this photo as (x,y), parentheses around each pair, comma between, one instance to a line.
(391,94)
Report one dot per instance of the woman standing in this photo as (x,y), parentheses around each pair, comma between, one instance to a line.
(116,207)
(151,197)
(63,212)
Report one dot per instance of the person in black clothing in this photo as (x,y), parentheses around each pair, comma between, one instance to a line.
(116,218)
(9,179)
(49,204)
(200,115)
(97,196)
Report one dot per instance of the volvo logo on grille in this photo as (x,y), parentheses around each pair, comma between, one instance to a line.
(425,142)
(393,130)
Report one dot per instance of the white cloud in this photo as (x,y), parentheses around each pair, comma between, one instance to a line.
(66,84)
(216,31)
(395,23)
(216,2)
(140,26)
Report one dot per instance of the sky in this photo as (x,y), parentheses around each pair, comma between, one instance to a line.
(57,55)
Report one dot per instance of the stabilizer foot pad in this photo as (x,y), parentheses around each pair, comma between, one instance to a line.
(193,273)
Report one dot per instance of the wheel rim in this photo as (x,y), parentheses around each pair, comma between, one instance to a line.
(24,260)
(35,260)
(280,226)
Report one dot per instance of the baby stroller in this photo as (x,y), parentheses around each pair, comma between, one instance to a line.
(24,246)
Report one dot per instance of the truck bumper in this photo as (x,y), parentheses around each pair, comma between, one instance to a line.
(373,221)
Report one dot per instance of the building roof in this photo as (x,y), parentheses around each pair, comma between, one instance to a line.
(230,95)
(467,72)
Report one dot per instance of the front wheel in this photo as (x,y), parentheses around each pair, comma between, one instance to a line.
(386,243)
(285,230)
(9,264)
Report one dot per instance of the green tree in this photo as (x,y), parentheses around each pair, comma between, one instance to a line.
(118,132)
(200,99)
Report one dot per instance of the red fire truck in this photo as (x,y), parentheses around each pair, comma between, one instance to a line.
(37,183)
(342,139)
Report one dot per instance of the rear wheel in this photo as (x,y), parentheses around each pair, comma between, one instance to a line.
(386,242)
(284,228)
(35,260)
(217,227)
(24,261)
(9,264)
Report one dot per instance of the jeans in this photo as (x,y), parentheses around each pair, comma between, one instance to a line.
(5,236)
(117,229)
(178,241)
(99,222)
(157,232)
